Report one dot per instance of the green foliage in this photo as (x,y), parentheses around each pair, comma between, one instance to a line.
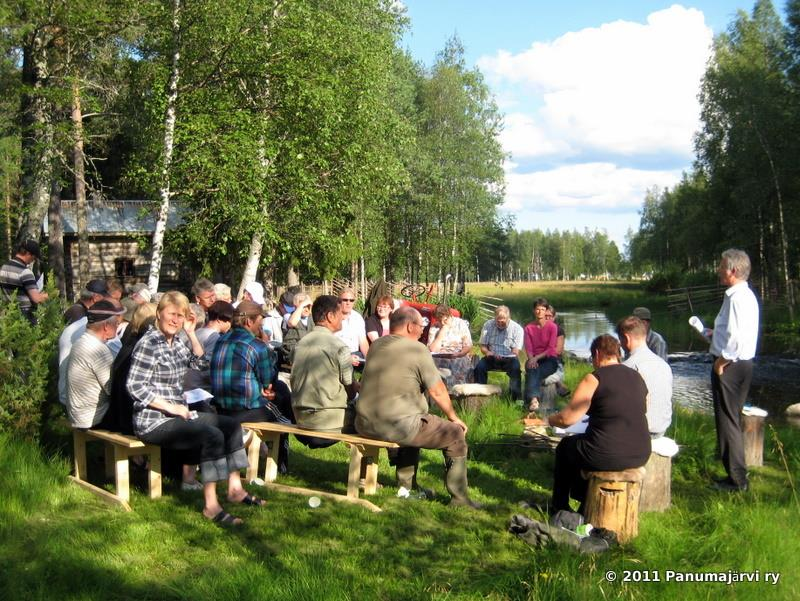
(28,352)
(468,306)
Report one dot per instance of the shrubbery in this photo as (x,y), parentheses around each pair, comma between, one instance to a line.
(27,354)
(468,306)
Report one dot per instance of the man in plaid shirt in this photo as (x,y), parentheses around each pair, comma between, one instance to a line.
(501,340)
(244,376)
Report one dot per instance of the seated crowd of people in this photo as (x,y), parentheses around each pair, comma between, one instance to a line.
(185,376)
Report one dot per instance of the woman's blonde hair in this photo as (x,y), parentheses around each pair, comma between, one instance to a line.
(173,298)
(143,316)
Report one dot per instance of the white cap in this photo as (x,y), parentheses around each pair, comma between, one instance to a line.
(256,291)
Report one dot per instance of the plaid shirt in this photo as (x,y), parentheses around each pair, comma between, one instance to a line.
(241,367)
(157,371)
(501,342)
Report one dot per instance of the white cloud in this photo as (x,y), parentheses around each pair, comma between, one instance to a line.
(622,88)
(596,187)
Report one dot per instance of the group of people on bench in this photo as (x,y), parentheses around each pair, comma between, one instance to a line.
(158,384)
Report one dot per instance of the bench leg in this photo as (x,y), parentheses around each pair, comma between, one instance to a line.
(109,455)
(252,456)
(354,474)
(79,451)
(121,473)
(273,439)
(370,468)
(154,475)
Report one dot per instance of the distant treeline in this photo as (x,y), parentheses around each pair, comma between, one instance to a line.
(744,190)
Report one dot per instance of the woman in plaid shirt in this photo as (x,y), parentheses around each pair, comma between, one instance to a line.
(162,417)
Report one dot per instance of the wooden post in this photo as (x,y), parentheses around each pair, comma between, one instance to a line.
(612,501)
(354,473)
(79,452)
(753,431)
(154,479)
(657,484)
(121,471)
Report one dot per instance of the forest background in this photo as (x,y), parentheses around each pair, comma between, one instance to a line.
(298,139)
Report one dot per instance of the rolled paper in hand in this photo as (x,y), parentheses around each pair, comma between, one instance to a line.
(695,322)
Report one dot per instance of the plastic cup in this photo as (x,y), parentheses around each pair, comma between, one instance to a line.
(314,502)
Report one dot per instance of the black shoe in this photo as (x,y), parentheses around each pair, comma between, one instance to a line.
(729,485)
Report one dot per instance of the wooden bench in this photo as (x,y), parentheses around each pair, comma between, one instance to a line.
(119,448)
(612,501)
(363,459)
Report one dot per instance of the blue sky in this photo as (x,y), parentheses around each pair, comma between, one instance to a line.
(599,97)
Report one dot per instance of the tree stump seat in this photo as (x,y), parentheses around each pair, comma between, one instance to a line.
(612,501)
(656,493)
(472,397)
(753,432)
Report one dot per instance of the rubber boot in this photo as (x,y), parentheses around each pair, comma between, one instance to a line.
(455,478)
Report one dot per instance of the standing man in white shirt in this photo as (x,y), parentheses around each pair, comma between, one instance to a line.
(733,346)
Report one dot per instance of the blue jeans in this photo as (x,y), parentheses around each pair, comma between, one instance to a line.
(510,365)
(536,375)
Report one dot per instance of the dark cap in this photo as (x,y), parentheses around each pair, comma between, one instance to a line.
(642,313)
(220,310)
(287,298)
(248,309)
(31,246)
(98,287)
(102,310)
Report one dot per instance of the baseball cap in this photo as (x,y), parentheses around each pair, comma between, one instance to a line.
(97,286)
(642,313)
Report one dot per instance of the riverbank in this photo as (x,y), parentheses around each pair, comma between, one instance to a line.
(58,541)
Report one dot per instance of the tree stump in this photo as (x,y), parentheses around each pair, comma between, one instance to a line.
(753,431)
(471,397)
(612,501)
(656,492)
(547,404)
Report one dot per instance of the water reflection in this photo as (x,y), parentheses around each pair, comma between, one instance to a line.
(776,380)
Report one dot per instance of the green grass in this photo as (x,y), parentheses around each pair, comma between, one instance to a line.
(59,542)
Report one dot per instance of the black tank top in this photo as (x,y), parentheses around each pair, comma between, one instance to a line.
(617,437)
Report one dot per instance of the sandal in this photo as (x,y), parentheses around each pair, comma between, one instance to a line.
(534,404)
(223,518)
(252,500)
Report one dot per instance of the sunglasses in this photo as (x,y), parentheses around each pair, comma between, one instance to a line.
(347,300)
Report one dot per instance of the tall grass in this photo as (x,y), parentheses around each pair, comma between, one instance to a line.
(59,542)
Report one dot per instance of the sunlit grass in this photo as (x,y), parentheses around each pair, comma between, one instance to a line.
(59,542)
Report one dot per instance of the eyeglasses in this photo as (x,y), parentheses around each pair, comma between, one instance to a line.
(347,300)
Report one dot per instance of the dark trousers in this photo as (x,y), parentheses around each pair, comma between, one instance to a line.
(218,438)
(510,365)
(729,392)
(269,412)
(567,480)
(535,376)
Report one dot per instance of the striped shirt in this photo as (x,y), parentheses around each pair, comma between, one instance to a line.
(502,342)
(157,371)
(16,277)
(241,366)
(88,381)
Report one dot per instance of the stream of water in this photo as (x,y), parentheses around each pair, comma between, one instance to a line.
(776,380)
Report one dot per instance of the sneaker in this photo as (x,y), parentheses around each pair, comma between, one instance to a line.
(187,486)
